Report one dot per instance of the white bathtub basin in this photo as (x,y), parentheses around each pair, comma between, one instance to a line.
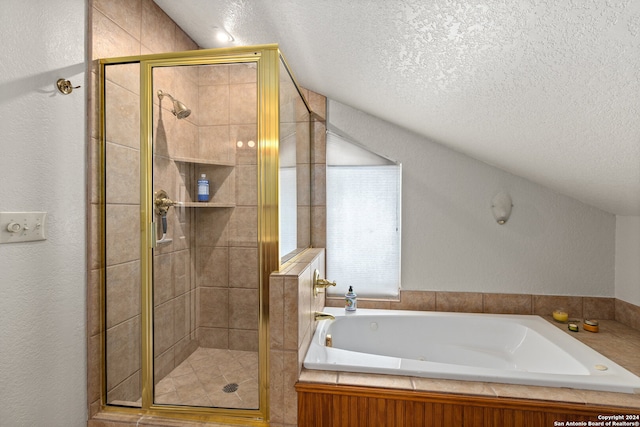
(513,349)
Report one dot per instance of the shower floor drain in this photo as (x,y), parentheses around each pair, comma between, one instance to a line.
(230,388)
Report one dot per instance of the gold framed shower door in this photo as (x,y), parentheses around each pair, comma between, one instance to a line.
(267,61)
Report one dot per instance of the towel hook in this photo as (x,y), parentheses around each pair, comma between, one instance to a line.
(65,87)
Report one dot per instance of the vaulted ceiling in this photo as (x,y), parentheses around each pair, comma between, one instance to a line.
(545,89)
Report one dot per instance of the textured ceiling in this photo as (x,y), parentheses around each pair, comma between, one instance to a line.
(547,90)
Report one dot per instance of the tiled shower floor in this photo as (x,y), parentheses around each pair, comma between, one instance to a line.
(201,378)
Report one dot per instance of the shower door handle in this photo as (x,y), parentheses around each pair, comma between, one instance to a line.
(162,203)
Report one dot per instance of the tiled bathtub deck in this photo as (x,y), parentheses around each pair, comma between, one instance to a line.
(615,341)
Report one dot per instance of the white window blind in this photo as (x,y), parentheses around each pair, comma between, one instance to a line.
(363,229)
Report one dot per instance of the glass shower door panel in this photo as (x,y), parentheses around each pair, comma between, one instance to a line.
(205,263)
(121,204)
(294,169)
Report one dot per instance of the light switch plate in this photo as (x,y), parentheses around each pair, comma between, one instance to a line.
(22,226)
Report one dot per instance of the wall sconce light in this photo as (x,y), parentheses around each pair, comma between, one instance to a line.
(501,206)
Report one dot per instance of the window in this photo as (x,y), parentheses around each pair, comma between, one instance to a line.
(363,220)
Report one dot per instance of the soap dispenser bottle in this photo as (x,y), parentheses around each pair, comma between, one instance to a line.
(350,300)
(203,188)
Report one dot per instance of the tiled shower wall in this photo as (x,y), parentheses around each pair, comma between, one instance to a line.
(121,29)
(226,241)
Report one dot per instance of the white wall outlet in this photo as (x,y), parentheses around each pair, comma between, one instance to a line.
(22,226)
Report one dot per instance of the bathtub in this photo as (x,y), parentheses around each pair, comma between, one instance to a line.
(514,349)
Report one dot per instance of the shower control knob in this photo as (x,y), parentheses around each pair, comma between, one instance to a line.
(14,227)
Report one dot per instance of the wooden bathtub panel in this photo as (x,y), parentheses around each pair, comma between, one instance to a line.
(324,405)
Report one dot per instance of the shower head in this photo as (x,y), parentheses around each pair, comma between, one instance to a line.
(179,109)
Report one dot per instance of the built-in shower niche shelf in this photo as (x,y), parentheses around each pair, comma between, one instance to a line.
(203,161)
(205,205)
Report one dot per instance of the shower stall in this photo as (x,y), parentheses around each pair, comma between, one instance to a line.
(184,278)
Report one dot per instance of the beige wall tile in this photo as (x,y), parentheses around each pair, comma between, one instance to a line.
(182,315)
(415,300)
(127,76)
(243,308)
(319,147)
(377,304)
(303,184)
(288,100)
(94,369)
(319,176)
(187,91)
(291,316)
(304,227)
(246,188)
(303,141)
(163,78)
(289,381)
(158,30)
(123,351)
(181,264)
(122,108)
(318,104)
(94,237)
(184,348)
(213,307)
(243,268)
(243,339)
(122,241)
(319,226)
(214,143)
(163,289)
(213,227)
(627,314)
(122,292)
(110,40)
(214,105)
(213,337)
(507,303)
(468,302)
(276,385)
(93,302)
(163,364)
(276,312)
(217,74)
(126,13)
(128,390)
(163,327)
(599,308)
(212,266)
(243,73)
(182,136)
(335,302)
(242,104)
(305,311)
(544,305)
(243,230)
(93,175)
